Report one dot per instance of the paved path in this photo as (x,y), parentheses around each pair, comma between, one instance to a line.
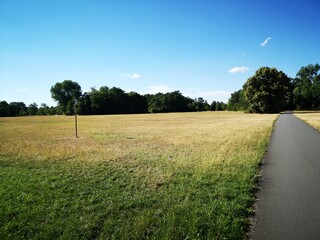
(288,205)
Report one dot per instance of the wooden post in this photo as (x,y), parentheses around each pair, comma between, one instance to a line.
(75,116)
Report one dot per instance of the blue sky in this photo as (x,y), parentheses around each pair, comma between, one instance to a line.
(202,48)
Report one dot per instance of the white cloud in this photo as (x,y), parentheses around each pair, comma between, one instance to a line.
(239,70)
(158,89)
(133,76)
(208,95)
(265,42)
(202,93)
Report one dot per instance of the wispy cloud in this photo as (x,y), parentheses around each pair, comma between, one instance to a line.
(265,42)
(159,89)
(239,70)
(209,95)
(133,75)
(136,75)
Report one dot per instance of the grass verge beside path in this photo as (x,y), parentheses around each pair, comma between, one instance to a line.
(312,118)
(161,176)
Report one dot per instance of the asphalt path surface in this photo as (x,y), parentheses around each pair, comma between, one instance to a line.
(288,205)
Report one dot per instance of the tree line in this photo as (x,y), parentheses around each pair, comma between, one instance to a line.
(15,109)
(107,100)
(272,91)
(268,91)
(114,100)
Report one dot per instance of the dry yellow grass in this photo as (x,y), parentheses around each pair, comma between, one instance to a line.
(312,118)
(178,136)
(181,139)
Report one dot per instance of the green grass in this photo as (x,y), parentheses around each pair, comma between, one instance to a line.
(163,176)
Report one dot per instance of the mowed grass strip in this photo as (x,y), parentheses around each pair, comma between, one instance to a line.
(156,176)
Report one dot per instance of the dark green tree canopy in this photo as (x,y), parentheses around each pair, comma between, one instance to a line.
(32,109)
(100,100)
(237,101)
(17,109)
(64,93)
(137,103)
(169,102)
(306,93)
(4,109)
(268,91)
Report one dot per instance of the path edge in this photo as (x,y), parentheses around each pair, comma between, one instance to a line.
(257,183)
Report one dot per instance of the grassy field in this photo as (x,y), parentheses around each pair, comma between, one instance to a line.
(312,118)
(156,176)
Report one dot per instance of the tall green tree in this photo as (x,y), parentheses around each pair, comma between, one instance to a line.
(220,106)
(176,102)
(17,109)
(306,93)
(64,93)
(169,102)
(85,104)
(213,105)
(43,110)
(268,91)
(237,101)
(137,103)
(156,103)
(100,100)
(4,109)
(199,104)
(32,109)
(119,101)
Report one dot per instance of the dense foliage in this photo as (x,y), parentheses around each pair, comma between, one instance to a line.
(271,91)
(237,101)
(267,91)
(20,109)
(107,100)
(306,93)
(65,93)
